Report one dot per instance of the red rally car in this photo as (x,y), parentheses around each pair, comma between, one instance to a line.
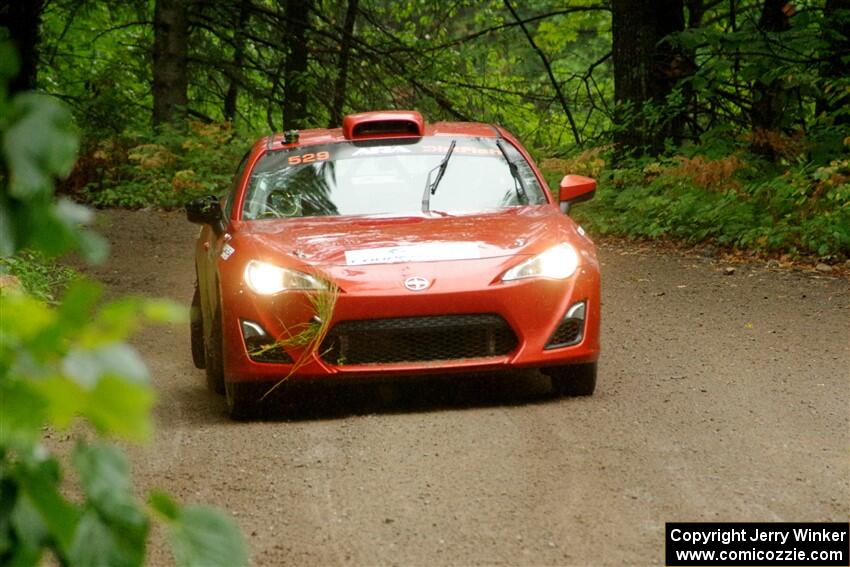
(392,247)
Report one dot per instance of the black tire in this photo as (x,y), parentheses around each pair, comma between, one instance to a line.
(196,330)
(243,400)
(213,357)
(573,380)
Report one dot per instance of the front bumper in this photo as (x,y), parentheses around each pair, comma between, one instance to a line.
(533,308)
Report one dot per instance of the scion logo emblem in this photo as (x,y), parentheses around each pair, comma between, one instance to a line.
(417,283)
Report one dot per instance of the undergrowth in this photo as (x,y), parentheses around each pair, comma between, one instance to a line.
(164,171)
(42,277)
(733,200)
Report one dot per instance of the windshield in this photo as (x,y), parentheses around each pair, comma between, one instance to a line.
(388,177)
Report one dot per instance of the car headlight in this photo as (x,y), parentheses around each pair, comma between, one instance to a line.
(559,263)
(267,279)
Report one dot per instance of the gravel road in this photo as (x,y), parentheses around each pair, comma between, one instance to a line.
(720,398)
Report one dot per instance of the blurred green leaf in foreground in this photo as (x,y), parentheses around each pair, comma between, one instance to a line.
(68,366)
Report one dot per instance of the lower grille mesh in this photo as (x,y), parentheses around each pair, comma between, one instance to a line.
(567,333)
(262,349)
(418,339)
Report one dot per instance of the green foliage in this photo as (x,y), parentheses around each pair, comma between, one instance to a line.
(731,58)
(199,535)
(406,55)
(38,145)
(102,75)
(40,276)
(57,365)
(112,528)
(69,364)
(166,170)
(109,527)
(66,363)
(731,201)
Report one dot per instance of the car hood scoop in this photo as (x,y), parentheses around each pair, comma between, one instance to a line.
(358,241)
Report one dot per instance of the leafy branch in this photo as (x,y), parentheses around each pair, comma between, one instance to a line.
(70,363)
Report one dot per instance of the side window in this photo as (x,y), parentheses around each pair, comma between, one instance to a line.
(231,195)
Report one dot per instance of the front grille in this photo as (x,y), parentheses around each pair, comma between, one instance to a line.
(567,333)
(418,339)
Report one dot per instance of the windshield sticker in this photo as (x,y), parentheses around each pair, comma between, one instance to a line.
(227,251)
(377,150)
(466,150)
(442,251)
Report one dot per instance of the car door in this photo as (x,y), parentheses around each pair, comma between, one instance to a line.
(211,246)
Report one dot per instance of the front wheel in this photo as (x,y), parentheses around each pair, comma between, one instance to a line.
(196,328)
(243,399)
(213,358)
(573,380)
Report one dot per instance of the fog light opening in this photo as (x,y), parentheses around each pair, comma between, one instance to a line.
(251,330)
(571,329)
(260,346)
(576,311)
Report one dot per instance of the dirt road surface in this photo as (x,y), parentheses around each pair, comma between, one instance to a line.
(721,398)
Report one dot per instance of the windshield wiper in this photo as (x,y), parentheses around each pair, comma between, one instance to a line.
(431,188)
(519,186)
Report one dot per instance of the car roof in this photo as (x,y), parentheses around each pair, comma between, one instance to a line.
(314,136)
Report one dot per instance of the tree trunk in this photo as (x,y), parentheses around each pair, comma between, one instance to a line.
(232,95)
(768,98)
(342,67)
(696,10)
(170,47)
(836,15)
(645,71)
(295,69)
(688,67)
(23,19)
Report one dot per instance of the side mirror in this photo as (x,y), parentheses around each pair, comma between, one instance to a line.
(206,210)
(575,189)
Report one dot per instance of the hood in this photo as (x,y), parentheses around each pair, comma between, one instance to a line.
(336,241)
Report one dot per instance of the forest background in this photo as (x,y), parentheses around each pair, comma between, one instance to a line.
(720,122)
